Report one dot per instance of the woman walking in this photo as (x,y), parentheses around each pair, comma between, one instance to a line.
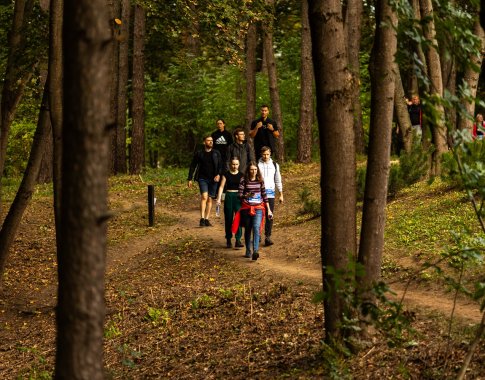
(253,210)
(230,181)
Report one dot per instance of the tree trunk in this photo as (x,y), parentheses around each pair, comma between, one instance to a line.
(137,153)
(273,82)
(14,80)
(401,111)
(251,42)
(383,77)
(434,70)
(471,76)
(353,28)
(304,152)
(55,100)
(334,88)
(82,246)
(114,8)
(27,186)
(123,69)
(44,174)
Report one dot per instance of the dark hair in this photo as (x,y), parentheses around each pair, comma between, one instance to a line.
(265,148)
(264,106)
(234,158)
(221,119)
(206,137)
(259,176)
(237,130)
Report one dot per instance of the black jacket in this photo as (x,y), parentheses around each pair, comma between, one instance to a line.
(197,160)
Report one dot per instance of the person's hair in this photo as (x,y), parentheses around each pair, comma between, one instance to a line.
(235,158)
(206,137)
(259,176)
(264,106)
(223,121)
(237,130)
(265,148)
(479,114)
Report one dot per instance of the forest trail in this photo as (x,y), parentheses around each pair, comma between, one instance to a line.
(282,260)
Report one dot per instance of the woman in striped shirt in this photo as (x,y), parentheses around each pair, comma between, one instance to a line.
(254,205)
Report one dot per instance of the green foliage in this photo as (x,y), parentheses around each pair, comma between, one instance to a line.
(38,369)
(310,206)
(158,317)
(112,330)
(18,149)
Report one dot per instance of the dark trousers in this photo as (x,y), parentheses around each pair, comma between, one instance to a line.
(268,223)
(231,205)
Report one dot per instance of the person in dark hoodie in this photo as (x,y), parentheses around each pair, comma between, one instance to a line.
(222,139)
(240,149)
(264,132)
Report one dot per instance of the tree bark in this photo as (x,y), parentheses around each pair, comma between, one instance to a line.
(334,90)
(82,246)
(401,111)
(273,82)
(27,186)
(353,28)
(304,150)
(383,77)
(137,153)
(114,8)
(434,70)
(251,42)
(471,76)
(123,70)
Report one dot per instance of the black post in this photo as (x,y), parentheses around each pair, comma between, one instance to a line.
(151,205)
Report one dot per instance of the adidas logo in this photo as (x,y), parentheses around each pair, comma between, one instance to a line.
(221,141)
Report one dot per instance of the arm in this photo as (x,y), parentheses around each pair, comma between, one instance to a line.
(221,189)
(254,128)
(192,168)
(279,183)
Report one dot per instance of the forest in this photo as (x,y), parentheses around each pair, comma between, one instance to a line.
(377,270)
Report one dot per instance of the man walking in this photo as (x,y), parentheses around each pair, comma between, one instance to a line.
(264,131)
(206,168)
(240,149)
(270,171)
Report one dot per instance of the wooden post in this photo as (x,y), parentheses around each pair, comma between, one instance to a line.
(151,205)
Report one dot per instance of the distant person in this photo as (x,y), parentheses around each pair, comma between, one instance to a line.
(254,206)
(206,168)
(222,139)
(240,149)
(416,116)
(264,132)
(479,127)
(230,182)
(270,171)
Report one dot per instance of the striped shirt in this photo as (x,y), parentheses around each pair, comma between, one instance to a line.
(257,188)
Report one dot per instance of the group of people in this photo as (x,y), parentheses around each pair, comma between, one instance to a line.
(229,170)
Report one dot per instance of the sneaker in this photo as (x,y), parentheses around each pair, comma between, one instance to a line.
(228,243)
(202,222)
(268,242)
(255,255)
(248,254)
(207,223)
(239,244)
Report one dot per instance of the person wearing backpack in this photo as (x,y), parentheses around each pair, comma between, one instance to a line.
(206,168)
(240,149)
(270,171)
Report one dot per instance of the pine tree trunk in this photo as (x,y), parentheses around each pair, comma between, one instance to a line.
(305,141)
(401,111)
(334,89)
(137,153)
(251,41)
(82,239)
(114,8)
(383,77)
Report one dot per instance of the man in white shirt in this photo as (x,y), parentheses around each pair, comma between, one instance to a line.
(270,171)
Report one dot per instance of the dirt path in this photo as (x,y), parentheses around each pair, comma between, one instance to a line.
(285,259)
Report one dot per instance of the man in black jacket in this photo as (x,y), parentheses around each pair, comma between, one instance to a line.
(240,149)
(206,168)
(264,131)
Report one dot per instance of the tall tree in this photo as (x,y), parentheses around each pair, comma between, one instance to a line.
(114,8)
(401,111)
(334,89)
(274,93)
(304,151)
(24,193)
(15,77)
(82,246)
(123,71)
(137,152)
(383,78)
(353,28)
(251,42)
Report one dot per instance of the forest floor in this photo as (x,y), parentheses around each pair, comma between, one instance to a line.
(181,305)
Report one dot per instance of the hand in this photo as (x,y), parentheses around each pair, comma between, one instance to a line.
(216,178)
(270,214)
(218,201)
(281,198)
(189,184)
(259,125)
(270,127)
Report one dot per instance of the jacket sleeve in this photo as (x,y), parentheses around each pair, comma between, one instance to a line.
(193,166)
(277,178)
(218,162)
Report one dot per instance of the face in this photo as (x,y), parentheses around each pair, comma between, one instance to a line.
(208,142)
(266,155)
(234,165)
(220,125)
(253,170)
(415,100)
(264,112)
(241,136)
(479,117)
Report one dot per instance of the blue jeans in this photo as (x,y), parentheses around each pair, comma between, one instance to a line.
(252,223)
